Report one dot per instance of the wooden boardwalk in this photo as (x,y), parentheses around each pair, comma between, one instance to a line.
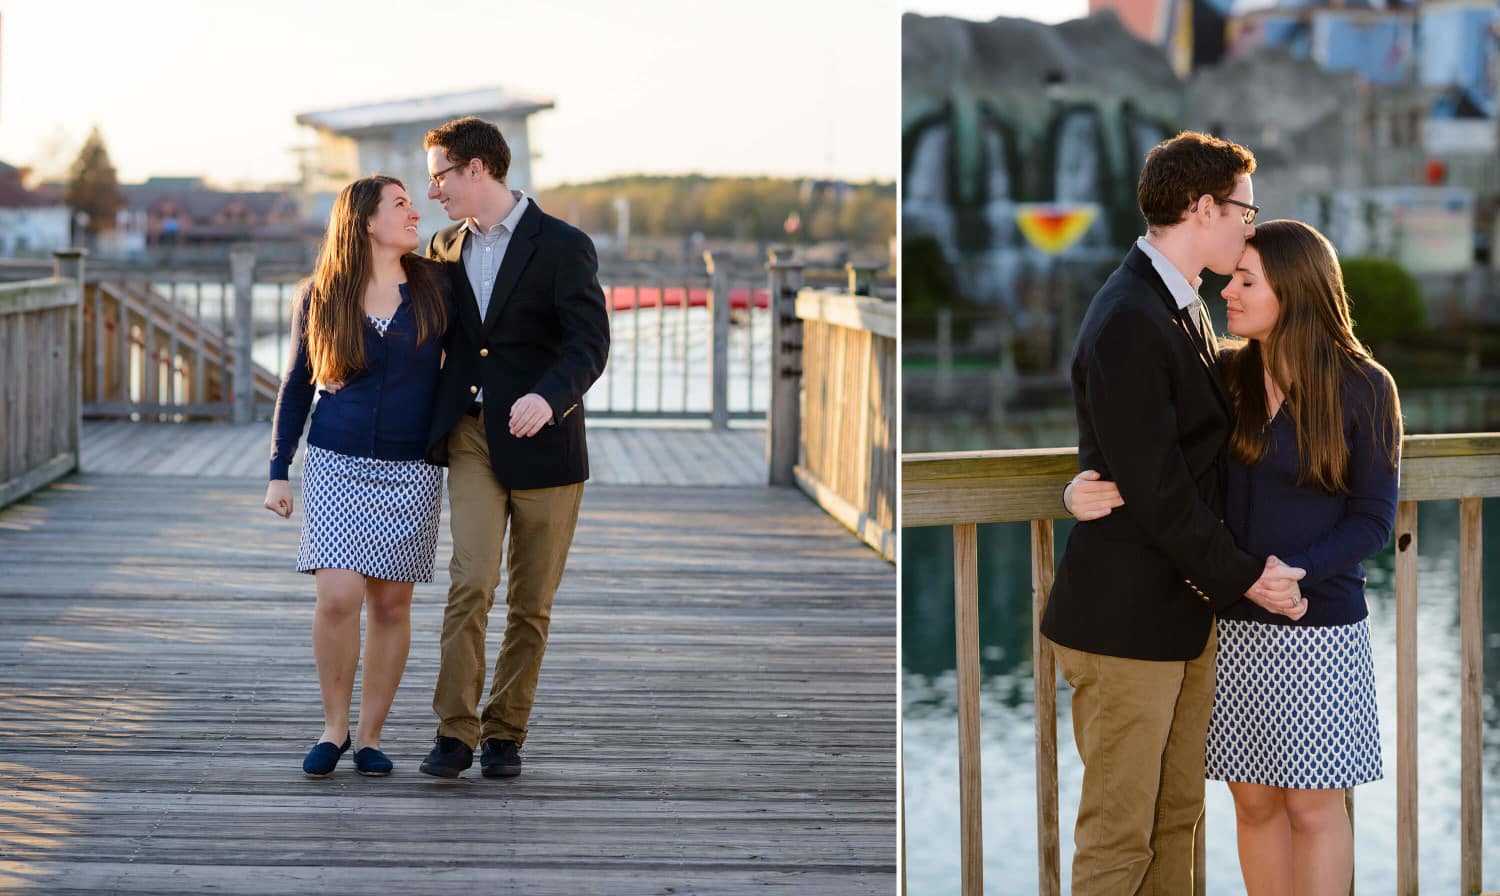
(716,714)
(618,455)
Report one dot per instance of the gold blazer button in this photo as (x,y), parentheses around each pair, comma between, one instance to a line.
(473,390)
(484,353)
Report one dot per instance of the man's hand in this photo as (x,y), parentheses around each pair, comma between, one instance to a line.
(1089,498)
(1277,590)
(528,415)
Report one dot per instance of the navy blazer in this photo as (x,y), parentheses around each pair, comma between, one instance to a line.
(383,411)
(546,331)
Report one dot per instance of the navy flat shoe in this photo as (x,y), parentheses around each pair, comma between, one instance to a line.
(372,762)
(323,757)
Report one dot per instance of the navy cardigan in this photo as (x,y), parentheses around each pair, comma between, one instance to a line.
(1329,535)
(383,411)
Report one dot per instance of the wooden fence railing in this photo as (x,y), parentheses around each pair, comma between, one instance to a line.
(39,379)
(965,489)
(689,345)
(841,349)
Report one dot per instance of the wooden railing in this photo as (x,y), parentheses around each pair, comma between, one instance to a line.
(39,380)
(177,344)
(965,489)
(833,401)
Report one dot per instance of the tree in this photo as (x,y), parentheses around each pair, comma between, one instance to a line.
(92,187)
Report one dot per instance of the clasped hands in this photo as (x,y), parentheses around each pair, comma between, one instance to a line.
(1088,497)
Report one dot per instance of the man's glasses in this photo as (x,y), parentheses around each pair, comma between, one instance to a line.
(436,179)
(1250,210)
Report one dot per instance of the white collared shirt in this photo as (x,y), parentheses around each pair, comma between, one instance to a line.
(485,250)
(1184,291)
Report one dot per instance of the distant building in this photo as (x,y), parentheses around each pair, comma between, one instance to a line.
(30,221)
(1448,49)
(1313,131)
(386,138)
(1190,32)
(826,190)
(172,211)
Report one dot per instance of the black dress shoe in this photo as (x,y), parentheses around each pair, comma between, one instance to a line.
(449,756)
(500,758)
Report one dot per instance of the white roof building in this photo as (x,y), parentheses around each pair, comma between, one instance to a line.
(386,138)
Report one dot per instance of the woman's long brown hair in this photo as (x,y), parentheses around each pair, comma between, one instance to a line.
(1310,353)
(336,307)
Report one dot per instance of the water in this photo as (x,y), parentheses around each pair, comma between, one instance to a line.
(930,740)
(658,361)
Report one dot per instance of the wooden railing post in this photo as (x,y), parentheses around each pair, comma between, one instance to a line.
(68,264)
(861,278)
(1044,689)
(784,410)
(242,273)
(970,794)
(1471,675)
(718,348)
(1406,698)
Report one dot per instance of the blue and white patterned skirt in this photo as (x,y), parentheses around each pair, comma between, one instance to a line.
(376,517)
(1294,706)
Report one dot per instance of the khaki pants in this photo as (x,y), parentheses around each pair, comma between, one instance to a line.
(1141,728)
(541,523)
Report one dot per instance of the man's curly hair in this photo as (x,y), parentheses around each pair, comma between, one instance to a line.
(1179,170)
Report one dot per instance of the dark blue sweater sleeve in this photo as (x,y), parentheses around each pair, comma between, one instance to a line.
(1370,507)
(295,398)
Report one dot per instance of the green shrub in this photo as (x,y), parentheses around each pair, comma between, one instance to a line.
(1384,300)
(927,283)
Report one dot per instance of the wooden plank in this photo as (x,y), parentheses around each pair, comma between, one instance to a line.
(10,464)
(18,487)
(1044,689)
(160,689)
(1016,486)
(1471,678)
(1406,698)
(33,296)
(860,313)
(970,793)
(632,456)
(869,531)
(22,409)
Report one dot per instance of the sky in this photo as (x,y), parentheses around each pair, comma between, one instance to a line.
(1051,11)
(184,88)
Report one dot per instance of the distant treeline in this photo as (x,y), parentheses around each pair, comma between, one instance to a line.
(746,208)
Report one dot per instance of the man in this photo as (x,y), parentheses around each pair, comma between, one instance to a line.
(1132,611)
(530,335)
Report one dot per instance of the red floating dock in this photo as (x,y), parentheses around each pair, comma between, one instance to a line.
(629,298)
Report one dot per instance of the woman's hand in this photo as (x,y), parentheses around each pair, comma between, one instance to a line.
(279,498)
(1088,497)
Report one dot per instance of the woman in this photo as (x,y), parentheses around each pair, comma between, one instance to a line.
(1313,473)
(371,317)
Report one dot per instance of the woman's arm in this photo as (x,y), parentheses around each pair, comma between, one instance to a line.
(294,399)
